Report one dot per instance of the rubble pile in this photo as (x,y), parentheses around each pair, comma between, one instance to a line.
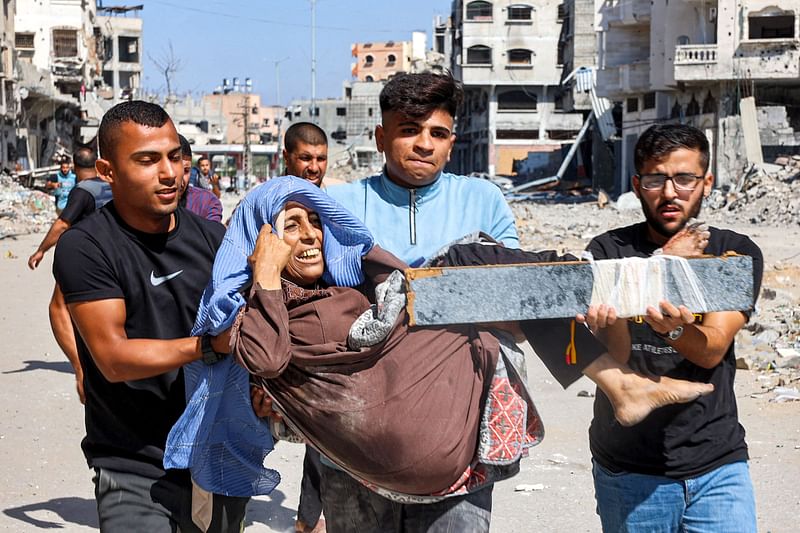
(23,210)
(346,172)
(769,195)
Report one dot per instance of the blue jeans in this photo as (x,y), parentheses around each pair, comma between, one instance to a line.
(350,507)
(720,501)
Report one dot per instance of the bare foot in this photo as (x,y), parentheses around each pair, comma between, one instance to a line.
(639,396)
(302,527)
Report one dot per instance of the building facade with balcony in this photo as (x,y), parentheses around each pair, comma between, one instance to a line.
(692,62)
(508,56)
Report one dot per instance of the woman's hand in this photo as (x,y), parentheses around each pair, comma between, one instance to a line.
(269,258)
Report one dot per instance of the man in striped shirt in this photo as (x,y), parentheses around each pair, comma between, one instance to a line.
(197,200)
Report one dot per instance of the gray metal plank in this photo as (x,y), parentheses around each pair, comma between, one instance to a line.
(461,295)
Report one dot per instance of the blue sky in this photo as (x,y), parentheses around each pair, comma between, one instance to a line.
(217,39)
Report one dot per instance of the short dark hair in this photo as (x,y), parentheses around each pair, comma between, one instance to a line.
(203,158)
(65,160)
(136,111)
(85,157)
(660,140)
(304,132)
(416,95)
(186,147)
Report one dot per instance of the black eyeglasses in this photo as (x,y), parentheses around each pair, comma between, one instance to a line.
(681,182)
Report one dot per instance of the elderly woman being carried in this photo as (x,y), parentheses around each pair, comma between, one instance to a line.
(402,413)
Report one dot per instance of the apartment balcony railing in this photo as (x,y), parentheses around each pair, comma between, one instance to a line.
(695,54)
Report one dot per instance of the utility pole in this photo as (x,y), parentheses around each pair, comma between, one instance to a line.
(279,154)
(247,155)
(313,61)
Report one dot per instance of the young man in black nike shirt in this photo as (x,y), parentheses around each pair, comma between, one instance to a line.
(132,277)
(684,468)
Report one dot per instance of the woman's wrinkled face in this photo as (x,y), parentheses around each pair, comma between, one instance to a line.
(302,231)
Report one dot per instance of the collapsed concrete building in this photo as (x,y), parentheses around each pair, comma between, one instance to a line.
(71,66)
(729,67)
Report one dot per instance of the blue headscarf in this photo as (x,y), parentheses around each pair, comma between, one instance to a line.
(218,437)
(345,241)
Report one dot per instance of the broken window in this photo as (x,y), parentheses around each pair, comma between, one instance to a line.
(479,11)
(24,40)
(128,50)
(709,104)
(517,100)
(632,105)
(693,108)
(519,56)
(649,101)
(677,111)
(65,43)
(517,134)
(520,12)
(562,135)
(771,23)
(479,55)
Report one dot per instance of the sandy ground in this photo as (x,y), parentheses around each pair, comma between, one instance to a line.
(45,483)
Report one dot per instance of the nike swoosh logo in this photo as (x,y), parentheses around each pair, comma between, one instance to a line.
(155,281)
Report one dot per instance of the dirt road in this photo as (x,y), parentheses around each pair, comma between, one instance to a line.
(45,483)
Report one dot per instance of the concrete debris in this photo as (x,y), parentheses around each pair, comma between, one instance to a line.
(529,488)
(786,394)
(22,210)
(769,195)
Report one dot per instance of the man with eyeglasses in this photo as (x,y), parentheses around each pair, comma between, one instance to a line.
(685,467)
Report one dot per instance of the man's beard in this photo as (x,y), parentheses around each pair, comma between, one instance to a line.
(658,227)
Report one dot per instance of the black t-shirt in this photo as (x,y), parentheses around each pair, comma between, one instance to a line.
(87,197)
(676,441)
(80,204)
(161,277)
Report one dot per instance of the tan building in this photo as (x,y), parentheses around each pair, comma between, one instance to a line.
(233,106)
(379,61)
(693,62)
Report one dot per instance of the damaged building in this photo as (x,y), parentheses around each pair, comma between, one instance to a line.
(730,68)
(72,65)
(510,57)
(9,95)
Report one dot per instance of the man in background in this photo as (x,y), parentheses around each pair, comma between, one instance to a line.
(196,199)
(305,152)
(90,194)
(61,183)
(203,177)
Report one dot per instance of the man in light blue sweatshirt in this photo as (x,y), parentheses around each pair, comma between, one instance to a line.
(413,208)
